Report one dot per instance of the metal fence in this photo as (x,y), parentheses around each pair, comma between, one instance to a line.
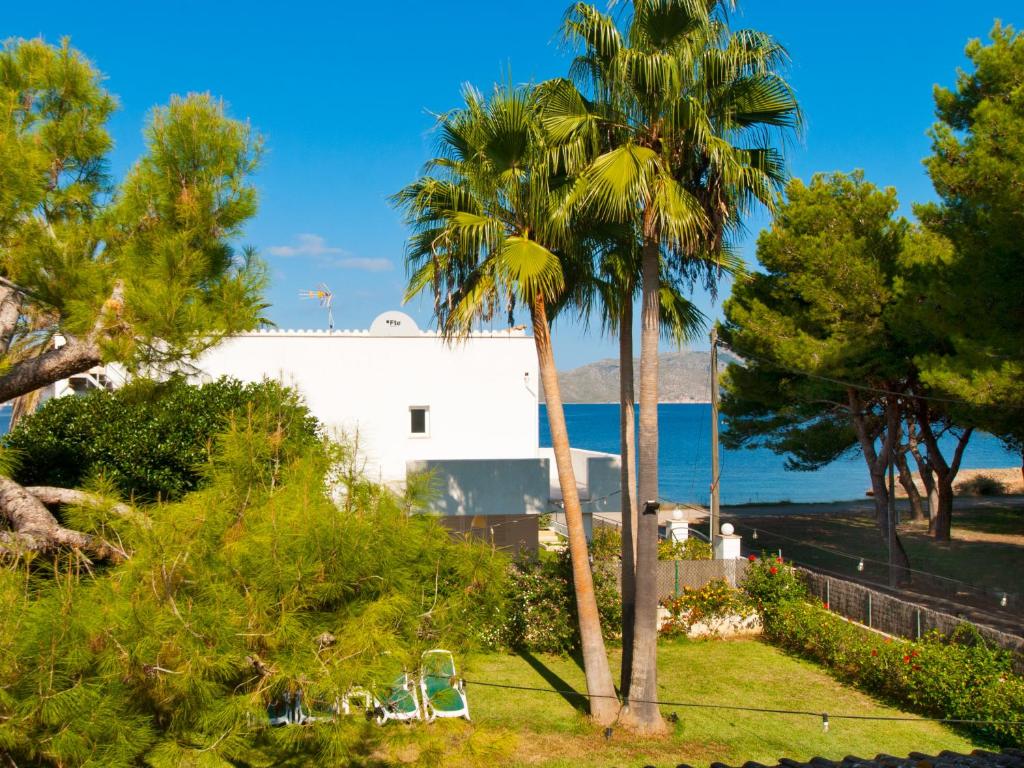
(894,616)
(867,570)
(676,575)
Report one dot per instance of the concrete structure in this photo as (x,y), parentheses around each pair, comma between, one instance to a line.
(677,529)
(727,544)
(405,394)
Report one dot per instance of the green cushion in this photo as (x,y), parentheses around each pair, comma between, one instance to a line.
(399,699)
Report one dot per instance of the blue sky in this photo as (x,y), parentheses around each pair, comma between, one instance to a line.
(343,93)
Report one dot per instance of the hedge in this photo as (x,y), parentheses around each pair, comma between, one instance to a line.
(957,678)
(540,606)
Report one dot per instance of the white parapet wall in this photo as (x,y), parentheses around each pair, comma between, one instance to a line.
(474,399)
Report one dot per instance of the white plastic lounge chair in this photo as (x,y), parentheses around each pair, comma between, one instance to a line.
(286,709)
(401,702)
(359,700)
(444,693)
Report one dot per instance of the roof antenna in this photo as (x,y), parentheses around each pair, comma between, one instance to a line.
(325,299)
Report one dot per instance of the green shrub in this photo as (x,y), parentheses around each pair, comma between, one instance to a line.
(540,606)
(981,485)
(606,543)
(960,678)
(709,604)
(255,585)
(770,582)
(690,549)
(149,440)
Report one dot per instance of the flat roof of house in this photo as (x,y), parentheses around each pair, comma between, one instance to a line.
(389,324)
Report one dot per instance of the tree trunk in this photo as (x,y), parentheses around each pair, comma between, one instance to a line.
(34,529)
(76,355)
(627,443)
(907,481)
(23,406)
(10,311)
(941,524)
(53,365)
(923,468)
(877,463)
(643,714)
(604,704)
(51,496)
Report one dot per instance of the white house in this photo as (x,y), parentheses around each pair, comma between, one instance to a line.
(408,394)
(466,411)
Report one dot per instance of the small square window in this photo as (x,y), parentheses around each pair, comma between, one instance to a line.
(419,423)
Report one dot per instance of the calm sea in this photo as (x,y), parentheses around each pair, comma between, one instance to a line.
(747,475)
(758,475)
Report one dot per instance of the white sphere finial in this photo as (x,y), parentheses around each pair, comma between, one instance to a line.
(727,529)
(677,514)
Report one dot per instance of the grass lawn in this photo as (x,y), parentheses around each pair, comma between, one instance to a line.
(987,548)
(526,728)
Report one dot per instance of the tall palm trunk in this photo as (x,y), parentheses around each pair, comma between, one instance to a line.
(644,715)
(604,705)
(627,443)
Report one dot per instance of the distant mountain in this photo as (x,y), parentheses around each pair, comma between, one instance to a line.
(683,377)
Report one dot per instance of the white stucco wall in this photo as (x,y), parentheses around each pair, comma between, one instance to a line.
(481,393)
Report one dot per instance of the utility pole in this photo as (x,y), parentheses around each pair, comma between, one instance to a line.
(892,511)
(713,523)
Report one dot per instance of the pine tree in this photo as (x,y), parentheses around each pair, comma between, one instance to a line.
(143,272)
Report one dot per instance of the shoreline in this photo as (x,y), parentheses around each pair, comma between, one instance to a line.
(616,402)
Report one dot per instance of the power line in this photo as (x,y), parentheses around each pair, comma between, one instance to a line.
(561,502)
(841,553)
(865,387)
(825,716)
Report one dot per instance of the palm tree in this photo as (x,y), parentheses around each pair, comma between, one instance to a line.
(490,233)
(684,112)
(611,293)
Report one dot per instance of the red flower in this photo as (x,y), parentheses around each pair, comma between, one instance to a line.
(874,651)
(752,558)
(915,654)
(825,606)
(773,570)
(906,659)
(778,559)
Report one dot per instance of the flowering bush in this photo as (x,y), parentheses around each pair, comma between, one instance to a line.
(606,543)
(957,678)
(770,581)
(691,549)
(540,606)
(711,605)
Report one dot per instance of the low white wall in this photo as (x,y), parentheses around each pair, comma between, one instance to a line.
(487,486)
(597,478)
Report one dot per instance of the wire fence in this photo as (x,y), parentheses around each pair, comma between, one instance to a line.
(676,575)
(874,609)
(894,616)
(868,570)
